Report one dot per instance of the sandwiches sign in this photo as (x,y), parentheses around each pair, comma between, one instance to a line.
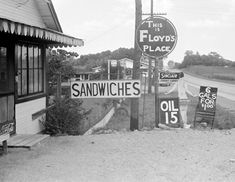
(106,89)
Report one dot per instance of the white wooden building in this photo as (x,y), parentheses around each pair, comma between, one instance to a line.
(27,29)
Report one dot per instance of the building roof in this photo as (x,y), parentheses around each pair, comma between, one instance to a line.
(50,29)
(48,15)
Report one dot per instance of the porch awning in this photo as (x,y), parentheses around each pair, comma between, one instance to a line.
(56,39)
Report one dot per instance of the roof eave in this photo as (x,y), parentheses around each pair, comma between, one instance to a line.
(54,38)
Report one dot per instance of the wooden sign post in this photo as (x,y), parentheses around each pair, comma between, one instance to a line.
(156,37)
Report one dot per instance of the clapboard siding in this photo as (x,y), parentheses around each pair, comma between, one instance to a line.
(22,11)
(24,111)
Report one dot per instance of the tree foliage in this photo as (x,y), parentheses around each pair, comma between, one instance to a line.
(123,53)
(65,117)
(93,60)
(59,64)
(212,59)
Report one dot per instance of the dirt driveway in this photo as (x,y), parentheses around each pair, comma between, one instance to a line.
(158,155)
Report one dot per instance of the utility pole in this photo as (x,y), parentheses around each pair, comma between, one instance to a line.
(151,7)
(150,75)
(150,60)
(134,120)
(118,69)
(109,69)
(156,82)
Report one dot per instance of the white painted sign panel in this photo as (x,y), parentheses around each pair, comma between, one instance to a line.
(106,89)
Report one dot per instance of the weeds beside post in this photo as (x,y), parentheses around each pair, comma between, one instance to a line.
(58,91)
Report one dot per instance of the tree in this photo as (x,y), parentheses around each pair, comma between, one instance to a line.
(188,53)
(215,55)
(93,60)
(59,65)
(212,59)
(59,69)
(123,53)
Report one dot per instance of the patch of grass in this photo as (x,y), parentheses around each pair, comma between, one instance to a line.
(98,108)
(219,73)
(64,117)
(224,77)
(223,119)
(121,119)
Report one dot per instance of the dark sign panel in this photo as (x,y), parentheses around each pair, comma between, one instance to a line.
(169,75)
(156,37)
(207,99)
(7,113)
(6,127)
(169,112)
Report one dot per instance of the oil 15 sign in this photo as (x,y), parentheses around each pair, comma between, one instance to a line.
(169,111)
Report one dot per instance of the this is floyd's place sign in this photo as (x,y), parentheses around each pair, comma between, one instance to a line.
(156,37)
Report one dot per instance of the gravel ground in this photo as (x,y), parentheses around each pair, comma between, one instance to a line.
(158,155)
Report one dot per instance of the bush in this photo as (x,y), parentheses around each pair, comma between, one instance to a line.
(64,117)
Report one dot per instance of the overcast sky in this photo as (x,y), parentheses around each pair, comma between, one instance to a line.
(202,25)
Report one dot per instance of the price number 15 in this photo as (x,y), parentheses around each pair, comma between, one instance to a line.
(171,117)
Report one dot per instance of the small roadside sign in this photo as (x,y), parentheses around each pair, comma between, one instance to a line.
(206,107)
(113,63)
(207,99)
(106,89)
(169,75)
(169,112)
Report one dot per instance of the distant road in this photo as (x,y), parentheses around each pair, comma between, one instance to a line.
(226,92)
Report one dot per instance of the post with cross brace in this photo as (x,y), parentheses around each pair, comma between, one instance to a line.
(156,37)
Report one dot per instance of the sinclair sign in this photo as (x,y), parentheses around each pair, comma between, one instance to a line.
(156,37)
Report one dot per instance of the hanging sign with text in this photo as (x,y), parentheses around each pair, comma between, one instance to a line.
(169,112)
(156,37)
(169,75)
(106,89)
(207,99)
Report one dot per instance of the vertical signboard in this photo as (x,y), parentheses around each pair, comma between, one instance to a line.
(207,99)
(206,107)
(169,112)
